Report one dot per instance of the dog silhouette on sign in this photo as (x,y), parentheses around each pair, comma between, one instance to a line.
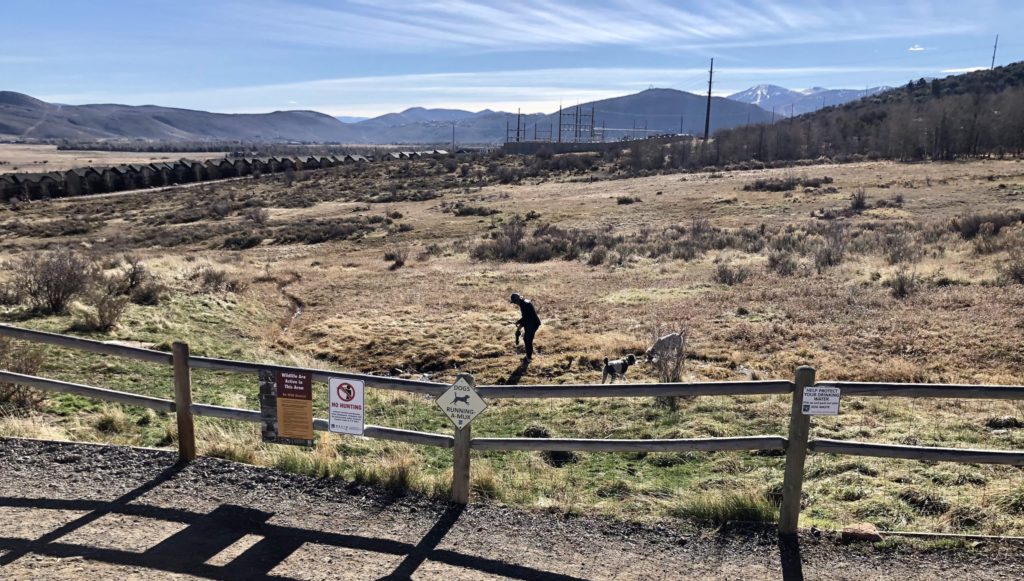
(463,398)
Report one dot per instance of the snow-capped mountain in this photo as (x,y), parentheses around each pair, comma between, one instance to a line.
(786,102)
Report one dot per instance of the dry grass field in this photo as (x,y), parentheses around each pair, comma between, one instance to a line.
(21,158)
(882,272)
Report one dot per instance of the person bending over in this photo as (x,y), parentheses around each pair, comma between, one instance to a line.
(529,322)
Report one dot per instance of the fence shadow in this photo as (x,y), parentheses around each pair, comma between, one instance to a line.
(206,535)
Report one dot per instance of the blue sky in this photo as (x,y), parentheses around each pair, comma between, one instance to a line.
(365,58)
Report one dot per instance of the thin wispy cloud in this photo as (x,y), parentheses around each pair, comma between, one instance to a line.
(916,48)
(533,24)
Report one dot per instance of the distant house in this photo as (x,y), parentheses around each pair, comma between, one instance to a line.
(35,186)
(274,164)
(10,187)
(242,167)
(335,160)
(82,182)
(410,155)
(212,167)
(394,155)
(311,163)
(288,163)
(51,185)
(359,159)
(145,175)
(163,174)
(116,179)
(326,162)
(258,165)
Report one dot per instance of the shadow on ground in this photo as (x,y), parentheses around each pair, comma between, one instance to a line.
(206,535)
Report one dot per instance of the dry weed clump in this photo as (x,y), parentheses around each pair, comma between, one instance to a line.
(50,281)
(17,357)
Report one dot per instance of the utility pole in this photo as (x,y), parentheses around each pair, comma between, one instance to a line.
(453,137)
(591,139)
(576,126)
(559,122)
(994,47)
(707,115)
(680,125)
(519,118)
(773,114)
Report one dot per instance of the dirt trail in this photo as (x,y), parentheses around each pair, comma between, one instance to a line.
(77,511)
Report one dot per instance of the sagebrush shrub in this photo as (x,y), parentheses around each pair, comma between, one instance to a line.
(50,281)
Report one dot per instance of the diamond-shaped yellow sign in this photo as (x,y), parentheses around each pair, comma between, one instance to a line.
(461,403)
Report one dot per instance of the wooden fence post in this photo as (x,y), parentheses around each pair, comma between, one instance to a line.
(460,464)
(183,403)
(796,454)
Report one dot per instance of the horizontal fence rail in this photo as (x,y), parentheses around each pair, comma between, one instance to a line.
(796,445)
(121,397)
(926,390)
(924,453)
(392,383)
(636,389)
(69,342)
(653,445)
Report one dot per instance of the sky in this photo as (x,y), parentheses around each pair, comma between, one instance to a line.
(365,58)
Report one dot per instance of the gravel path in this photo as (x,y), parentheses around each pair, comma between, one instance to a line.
(75,511)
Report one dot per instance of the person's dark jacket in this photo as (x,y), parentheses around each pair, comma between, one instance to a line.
(529,319)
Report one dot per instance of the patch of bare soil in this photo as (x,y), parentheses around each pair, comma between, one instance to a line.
(77,511)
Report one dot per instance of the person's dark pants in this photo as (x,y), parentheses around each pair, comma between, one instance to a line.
(528,333)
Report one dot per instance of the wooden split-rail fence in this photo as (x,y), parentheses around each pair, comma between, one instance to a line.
(796,444)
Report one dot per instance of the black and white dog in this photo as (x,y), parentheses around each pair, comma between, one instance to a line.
(617,369)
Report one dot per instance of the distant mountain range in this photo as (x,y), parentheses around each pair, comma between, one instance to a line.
(787,102)
(650,112)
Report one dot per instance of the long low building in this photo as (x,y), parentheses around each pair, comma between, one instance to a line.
(88,181)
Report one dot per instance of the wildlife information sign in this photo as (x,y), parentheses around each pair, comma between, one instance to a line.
(345,415)
(286,407)
(821,401)
(461,403)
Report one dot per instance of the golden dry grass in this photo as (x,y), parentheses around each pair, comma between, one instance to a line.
(448,313)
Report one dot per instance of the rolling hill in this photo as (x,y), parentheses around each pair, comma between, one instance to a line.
(659,110)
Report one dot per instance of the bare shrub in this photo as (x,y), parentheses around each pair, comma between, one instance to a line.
(972,225)
(859,200)
(135,273)
(50,281)
(730,275)
(597,256)
(1013,269)
(107,306)
(903,283)
(397,256)
(782,263)
(149,293)
(19,358)
(831,252)
(900,247)
(258,216)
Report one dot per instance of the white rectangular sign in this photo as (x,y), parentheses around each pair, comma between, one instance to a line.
(346,414)
(821,401)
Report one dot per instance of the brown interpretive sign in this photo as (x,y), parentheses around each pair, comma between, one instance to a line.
(286,407)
